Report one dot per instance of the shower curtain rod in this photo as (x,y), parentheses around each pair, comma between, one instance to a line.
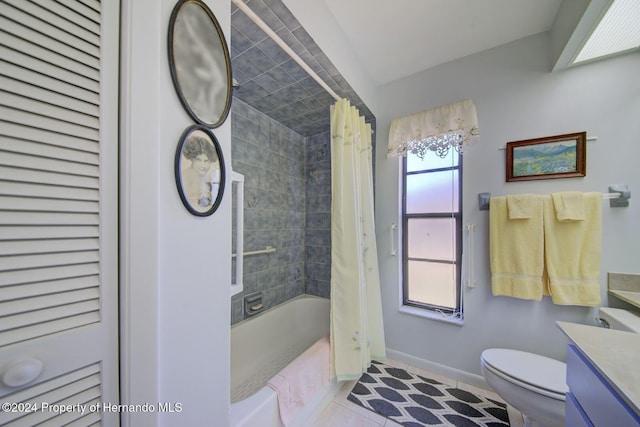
(260,23)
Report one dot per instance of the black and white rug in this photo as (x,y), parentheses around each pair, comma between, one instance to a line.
(413,400)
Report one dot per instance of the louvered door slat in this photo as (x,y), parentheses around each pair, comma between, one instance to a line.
(50,287)
(21,262)
(41,65)
(35,218)
(86,398)
(44,136)
(49,205)
(54,273)
(48,246)
(44,81)
(72,15)
(47,151)
(71,28)
(35,317)
(55,300)
(83,8)
(52,391)
(50,165)
(48,96)
(49,36)
(45,191)
(32,204)
(51,178)
(92,4)
(41,122)
(89,420)
(59,325)
(47,110)
(18,44)
(36,232)
(42,388)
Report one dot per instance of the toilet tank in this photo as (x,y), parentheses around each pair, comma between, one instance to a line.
(619,319)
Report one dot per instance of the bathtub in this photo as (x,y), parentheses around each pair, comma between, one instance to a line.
(263,345)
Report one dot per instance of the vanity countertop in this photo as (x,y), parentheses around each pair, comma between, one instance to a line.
(627,296)
(615,354)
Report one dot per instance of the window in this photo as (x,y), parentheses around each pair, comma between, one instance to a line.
(432,232)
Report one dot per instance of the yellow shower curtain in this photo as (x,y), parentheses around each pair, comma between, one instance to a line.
(357,334)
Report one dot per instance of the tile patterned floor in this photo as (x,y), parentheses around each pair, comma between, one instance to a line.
(342,413)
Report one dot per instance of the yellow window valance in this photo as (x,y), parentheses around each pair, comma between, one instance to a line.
(437,130)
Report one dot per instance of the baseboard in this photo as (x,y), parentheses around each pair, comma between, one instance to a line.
(427,365)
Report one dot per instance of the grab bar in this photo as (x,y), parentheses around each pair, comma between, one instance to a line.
(267,250)
(471,281)
(238,180)
(394,227)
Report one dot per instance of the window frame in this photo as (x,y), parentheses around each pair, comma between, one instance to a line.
(457,311)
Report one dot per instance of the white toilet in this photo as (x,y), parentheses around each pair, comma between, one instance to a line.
(533,384)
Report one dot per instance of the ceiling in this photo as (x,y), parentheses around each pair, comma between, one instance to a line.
(391,40)
(398,38)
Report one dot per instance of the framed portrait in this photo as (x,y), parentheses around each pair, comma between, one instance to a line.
(199,170)
(560,156)
(199,62)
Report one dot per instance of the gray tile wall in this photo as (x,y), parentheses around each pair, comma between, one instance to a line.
(287,205)
(275,96)
(318,218)
(274,83)
(272,159)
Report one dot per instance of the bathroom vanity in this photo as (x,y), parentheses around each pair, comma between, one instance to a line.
(603,376)
(625,287)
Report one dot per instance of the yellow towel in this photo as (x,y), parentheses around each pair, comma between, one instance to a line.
(569,205)
(516,251)
(519,206)
(572,253)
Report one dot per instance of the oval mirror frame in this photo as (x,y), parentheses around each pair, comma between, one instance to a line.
(199,62)
(199,170)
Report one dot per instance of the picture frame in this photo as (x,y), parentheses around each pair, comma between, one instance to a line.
(199,170)
(200,63)
(559,156)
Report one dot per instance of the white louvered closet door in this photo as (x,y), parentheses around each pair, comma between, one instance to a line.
(59,210)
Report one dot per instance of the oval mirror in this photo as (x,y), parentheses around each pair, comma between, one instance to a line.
(199,169)
(199,62)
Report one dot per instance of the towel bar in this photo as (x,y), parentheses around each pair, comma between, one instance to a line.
(618,197)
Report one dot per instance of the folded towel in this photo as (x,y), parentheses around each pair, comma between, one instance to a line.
(299,381)
(519,206)
(516,251)
(569,206)
(572,253)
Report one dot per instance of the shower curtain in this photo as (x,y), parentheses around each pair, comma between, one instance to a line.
(357,334)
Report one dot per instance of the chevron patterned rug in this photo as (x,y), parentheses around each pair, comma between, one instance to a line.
(413,400)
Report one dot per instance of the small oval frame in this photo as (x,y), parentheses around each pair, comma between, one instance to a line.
(203,206)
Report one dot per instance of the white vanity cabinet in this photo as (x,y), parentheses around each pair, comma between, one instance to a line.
(591,400)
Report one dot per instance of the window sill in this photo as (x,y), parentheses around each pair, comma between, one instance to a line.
(433,315)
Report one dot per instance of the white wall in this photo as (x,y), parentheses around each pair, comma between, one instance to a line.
(516,98)
(176,267)
(318,21)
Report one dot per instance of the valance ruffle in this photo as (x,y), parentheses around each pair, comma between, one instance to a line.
(438,129)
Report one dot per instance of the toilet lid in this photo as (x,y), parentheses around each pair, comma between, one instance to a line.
(539,371)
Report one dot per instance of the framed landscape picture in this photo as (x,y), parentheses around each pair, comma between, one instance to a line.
(560,156)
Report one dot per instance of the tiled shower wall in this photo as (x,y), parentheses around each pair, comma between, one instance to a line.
(287,205)
(318,217)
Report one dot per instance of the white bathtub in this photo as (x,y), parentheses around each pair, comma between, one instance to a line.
(263,345)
